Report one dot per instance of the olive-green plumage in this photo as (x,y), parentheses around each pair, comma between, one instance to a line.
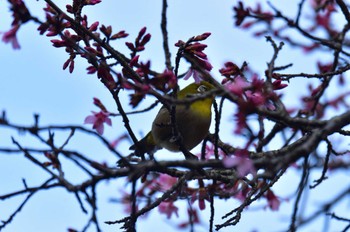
(192,121)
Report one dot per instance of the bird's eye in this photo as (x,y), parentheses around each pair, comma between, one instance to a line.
(202,89)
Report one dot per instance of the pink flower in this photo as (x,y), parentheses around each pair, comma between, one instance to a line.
(230,69)
(272,200)
(166,182)
(241,118)
(257,98)
(10,37)
(97,119)
(240,13)
(163,183)
(243,164)
(200,195)
(238,86)
(196,75)
(168,208)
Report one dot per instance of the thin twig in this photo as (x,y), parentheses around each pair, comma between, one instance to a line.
(154,204)
(163,26)
(31,193)
(325,165)
(301,188)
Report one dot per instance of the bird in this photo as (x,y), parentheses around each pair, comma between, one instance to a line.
(192,121)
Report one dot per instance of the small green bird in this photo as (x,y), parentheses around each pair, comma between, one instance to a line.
(192,121)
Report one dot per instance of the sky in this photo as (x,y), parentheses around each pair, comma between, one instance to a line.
(33,82)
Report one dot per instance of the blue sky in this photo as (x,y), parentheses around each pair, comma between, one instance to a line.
(32,81)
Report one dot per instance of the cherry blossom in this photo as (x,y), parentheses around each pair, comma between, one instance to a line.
(168,208)
(11,37)
(98,119)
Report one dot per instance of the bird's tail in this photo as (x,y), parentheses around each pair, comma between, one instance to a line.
(145,145)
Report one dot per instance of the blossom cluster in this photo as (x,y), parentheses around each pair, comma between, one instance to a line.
(199,194)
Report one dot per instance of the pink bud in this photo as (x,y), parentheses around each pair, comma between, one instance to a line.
(277,84)
(65,65)
(71,66)
(145,39)
(120,34)
(93,26)
(134,61)
(130,46)
(142,32)
(58,43)
(106,30)
(202,36)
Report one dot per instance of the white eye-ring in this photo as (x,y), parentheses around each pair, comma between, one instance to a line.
(202,89)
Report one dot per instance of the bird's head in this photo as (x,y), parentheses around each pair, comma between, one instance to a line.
(195,89)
